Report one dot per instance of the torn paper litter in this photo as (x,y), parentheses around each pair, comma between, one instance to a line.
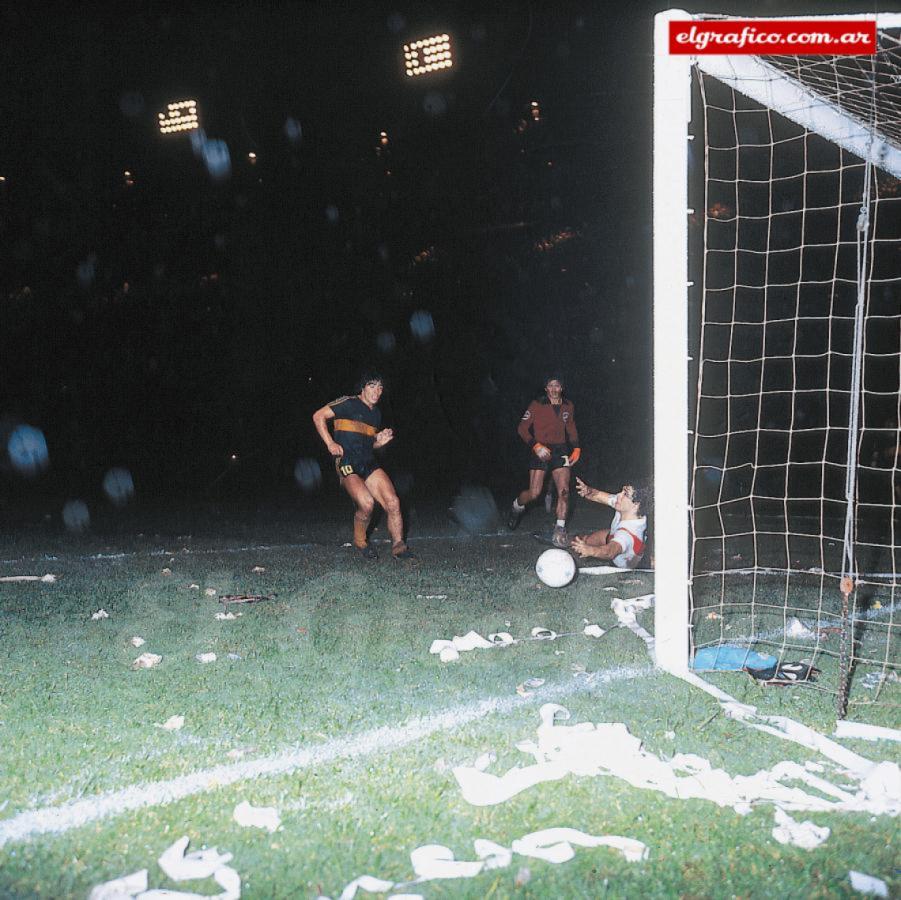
(257,816)
(433,861)
(846,729)
(46,579)
(543,634)
(147,661)
(797,629)
(181,866)
(173,723)
(554,845)
(868,884)
(119,888)
(586,749)
(799,834)
(368,883)
(178,866)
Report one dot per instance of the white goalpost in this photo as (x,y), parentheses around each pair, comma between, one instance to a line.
(777,359)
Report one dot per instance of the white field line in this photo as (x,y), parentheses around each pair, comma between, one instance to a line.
(77,813)
(253,548)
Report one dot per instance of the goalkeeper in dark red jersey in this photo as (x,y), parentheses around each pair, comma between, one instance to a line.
(548,426)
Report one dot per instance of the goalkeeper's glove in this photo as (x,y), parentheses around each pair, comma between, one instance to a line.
(573,457)
(537,448)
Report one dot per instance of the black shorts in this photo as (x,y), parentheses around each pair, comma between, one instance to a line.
(356,464)
(558,451)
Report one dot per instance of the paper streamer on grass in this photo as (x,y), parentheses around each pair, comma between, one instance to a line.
(46,579)
(879,783)
(864,732)
(257,816)
(609,749)
(179,866)
(787,729)
(126,886)
(433,862)
(625,612)
(554,845)
(368,883)
(799,834)
(450,650)
(868,884)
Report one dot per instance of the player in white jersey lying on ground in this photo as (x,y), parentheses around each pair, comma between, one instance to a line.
(623,544)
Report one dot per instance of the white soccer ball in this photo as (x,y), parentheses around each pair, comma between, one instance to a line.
(556,568)
(119,486)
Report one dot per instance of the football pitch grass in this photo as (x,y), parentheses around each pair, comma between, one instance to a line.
(325,703)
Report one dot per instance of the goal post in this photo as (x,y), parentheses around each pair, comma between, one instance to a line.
(777,356)
(672,112)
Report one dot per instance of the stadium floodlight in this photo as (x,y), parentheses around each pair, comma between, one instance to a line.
(777,355)
(431,54)
(179,116)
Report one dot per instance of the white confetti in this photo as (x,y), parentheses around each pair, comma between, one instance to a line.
(147,661)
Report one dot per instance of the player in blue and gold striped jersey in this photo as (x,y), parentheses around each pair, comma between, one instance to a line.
(356,435)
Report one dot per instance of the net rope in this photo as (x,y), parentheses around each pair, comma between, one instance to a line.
(798,369)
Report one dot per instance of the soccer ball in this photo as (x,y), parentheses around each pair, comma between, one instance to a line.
(119,486)
(556,568)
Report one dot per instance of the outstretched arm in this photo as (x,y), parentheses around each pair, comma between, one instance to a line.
(320,420)
(594,494)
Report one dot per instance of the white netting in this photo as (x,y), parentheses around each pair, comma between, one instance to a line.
(790,232)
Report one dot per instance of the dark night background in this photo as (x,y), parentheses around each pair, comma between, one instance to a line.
(168,320)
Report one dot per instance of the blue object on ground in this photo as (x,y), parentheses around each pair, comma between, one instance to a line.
(731,658)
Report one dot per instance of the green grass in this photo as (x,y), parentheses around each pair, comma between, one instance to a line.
(340,651)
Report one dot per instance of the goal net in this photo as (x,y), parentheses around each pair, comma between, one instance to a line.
(777,241)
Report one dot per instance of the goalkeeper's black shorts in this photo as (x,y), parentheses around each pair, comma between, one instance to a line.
(557,461)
